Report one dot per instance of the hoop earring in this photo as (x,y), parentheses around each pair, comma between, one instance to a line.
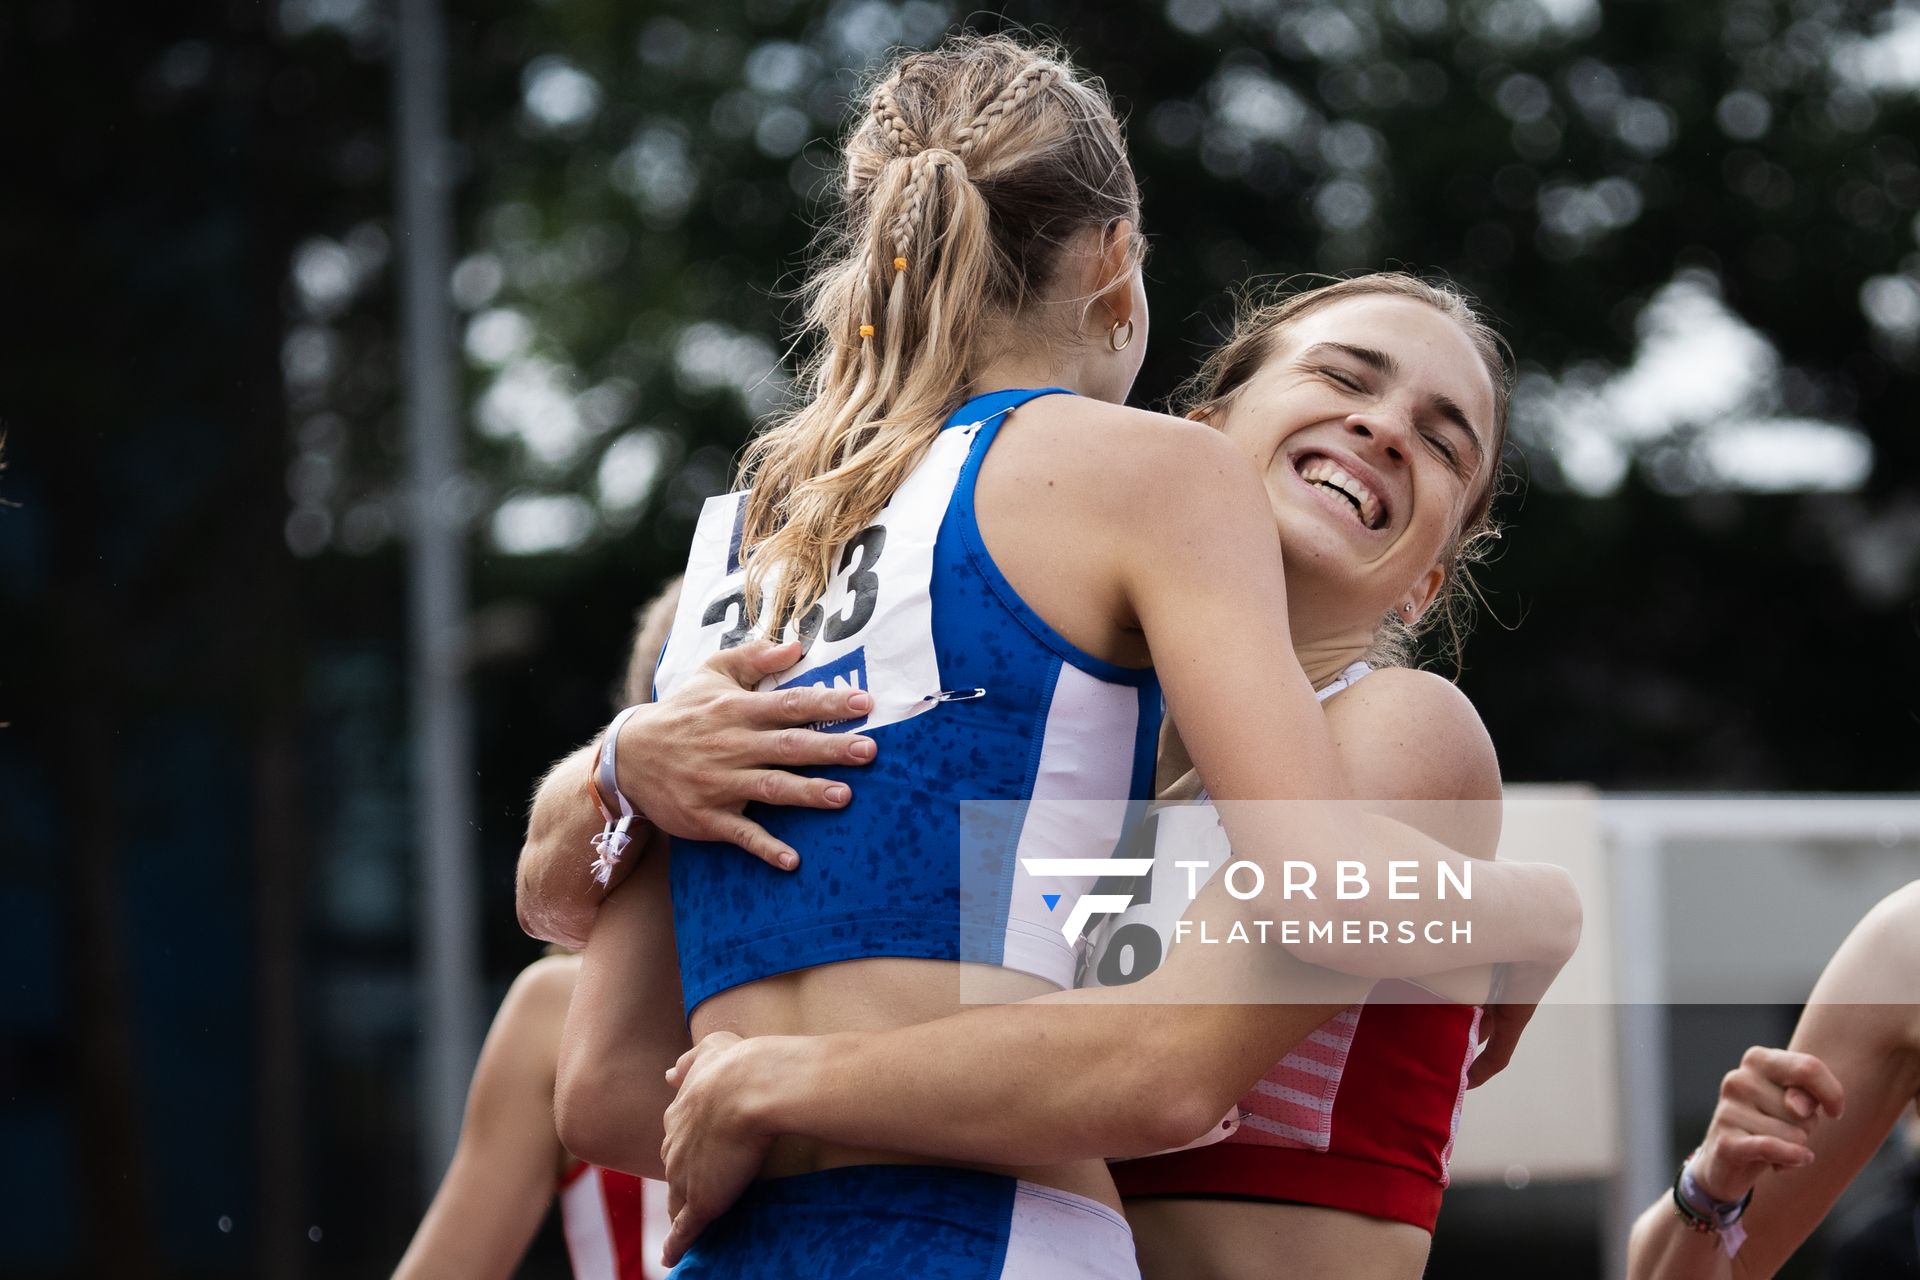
(1114,339)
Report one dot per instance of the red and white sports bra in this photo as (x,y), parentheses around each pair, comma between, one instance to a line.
(1361,1116)
(614,1223)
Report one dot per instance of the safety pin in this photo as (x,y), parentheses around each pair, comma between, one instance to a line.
(955,695)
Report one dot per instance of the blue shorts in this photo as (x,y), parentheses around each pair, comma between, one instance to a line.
(883,1222)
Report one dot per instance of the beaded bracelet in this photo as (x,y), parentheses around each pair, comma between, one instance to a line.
(1721,1219)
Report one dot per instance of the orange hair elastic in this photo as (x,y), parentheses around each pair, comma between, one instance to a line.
(866,331)
(899,264)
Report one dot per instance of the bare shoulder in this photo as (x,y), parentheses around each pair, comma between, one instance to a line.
(1123,457)
(1407,734)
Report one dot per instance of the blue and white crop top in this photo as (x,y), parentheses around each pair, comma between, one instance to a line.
(975,698)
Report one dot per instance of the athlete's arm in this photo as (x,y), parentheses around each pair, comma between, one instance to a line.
(1210,595)
(1109,1072)
(503,1173)
(691,763)
(625,1026)
(1073,1075)
(1856,1047)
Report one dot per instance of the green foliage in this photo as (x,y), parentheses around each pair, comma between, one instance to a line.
(637,184)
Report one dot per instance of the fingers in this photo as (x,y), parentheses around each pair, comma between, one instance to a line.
(1492,1060)
(1504,1024)
(758,841)
(1810,1075)
(678,1071)
(1797,1073)
(1758,1149)
(1741,1117)
(808,704)
(747,664)
(687,1226)
(797,746)
(774,786)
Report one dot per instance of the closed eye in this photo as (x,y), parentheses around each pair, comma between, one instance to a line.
(1339,376)
(1444,448)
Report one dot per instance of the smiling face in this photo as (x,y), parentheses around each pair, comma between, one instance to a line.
(1372,421)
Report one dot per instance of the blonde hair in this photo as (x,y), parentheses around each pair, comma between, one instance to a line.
(1264,320)
(971,166)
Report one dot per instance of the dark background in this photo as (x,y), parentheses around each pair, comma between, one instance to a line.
(210,1016)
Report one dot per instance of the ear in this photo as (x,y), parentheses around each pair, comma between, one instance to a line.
(1424,592)
(1113,272)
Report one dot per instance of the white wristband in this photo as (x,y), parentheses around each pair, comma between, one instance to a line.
(612,840)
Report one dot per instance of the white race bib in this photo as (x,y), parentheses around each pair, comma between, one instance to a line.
(872,629)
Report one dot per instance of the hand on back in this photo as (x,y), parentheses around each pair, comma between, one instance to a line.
(693,761)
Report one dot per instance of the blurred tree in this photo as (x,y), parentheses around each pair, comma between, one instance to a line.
(1697,222)
(1727,468)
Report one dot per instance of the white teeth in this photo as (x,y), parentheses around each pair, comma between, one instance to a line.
(1325,471)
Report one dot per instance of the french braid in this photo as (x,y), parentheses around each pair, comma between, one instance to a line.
(953,217)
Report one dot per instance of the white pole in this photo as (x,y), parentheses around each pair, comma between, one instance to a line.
(448,920)
(1646,1149)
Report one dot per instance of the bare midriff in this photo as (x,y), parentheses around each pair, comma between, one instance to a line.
(1198,1239)
(878,995)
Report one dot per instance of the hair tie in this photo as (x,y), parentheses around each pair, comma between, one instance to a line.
(899,264)
(866,331)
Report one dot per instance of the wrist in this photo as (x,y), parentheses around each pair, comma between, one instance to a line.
(770,1082)
(625,820)
(1554,909)
(1712,1185)
(1703,1212)
(634,766)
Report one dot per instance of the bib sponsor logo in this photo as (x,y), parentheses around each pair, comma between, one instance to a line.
(846,672)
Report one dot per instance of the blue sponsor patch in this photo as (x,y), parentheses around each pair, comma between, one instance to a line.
(849,672)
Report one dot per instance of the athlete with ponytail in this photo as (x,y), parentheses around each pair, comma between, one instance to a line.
(985,585)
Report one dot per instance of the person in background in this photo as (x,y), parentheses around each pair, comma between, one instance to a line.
(1794,1126)
(510,1164)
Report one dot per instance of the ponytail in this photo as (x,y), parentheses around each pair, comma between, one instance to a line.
(952,211)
